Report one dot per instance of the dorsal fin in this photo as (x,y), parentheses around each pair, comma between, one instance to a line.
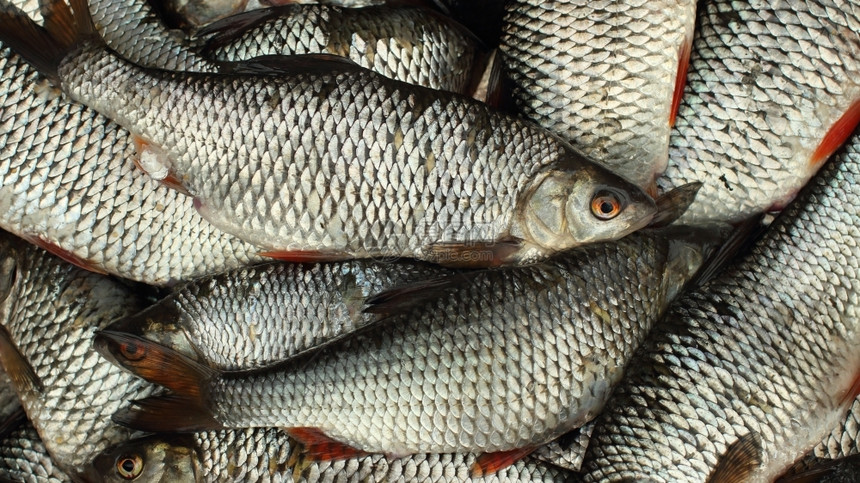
(289,64)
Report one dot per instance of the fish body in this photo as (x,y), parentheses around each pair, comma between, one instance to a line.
(601,75)
(24,457)
(773,89)
(257,316)
(410,44)
(509,360)
(269,455)
(67,182)
(49,311)
(751,371)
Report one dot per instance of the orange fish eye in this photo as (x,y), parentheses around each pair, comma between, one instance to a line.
(605,205)
(129,467)
(132,351)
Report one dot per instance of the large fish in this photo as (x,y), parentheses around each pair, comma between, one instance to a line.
(256,316)
(48,313)
(331,161)
(68,184)
(773,90)
(23,455)
(748,373)
(269,455)
(499,363)
(603,75)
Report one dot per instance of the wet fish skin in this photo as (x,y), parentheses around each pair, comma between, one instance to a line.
(268,455)
(456,171)
(552,328)
(256,316)
(600,74)
(767,81)
(67,180)
(410,44)
(764,356)
(50,313)
(23,457)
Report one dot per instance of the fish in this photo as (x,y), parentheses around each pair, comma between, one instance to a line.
(498,364)
(842,470)
(604,76)
(773,89)
(751,370)
(257,316)
(268,454)
(67,183)
(8,397)
(328,161)
(843,441)
(49,310)
(23,455)
(410,44)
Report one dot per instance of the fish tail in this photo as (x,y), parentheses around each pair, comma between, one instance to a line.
(186,408)
(66,26)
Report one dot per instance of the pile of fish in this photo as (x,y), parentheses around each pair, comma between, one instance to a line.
(496,240)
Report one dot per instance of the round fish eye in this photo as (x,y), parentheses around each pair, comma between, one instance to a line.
(129,466)
(605,205)
(132,351)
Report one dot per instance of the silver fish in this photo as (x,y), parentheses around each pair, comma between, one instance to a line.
(501,363)
(602,74)
(268,455)
(411,44)
(773,90)
(24,457)
(331,161)
(748,373)
(48,312)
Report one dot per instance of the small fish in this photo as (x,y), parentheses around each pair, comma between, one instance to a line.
(49,310)
(329,161)
(23,455)
(749,372)
(499,363)
(773,90)
(605,76)
(411,44)
(257,316)
(269,455)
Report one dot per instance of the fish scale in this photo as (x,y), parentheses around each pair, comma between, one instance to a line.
(24,457)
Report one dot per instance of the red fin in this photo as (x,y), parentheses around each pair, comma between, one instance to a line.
(739,461)
(490,463)
(320,447)
(680,77)
(305,256)
(66,255)
(473,254)
(838,133)
(20,371)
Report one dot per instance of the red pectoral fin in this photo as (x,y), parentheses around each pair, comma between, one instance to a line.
(680,77)
(489,463)
(305,256)
(66,255)
(320,447)
(838,133)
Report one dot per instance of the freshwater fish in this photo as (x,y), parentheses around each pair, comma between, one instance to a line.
(500,363)
(329,161)
(746,374)
(49,310)
(23,455)
(604,75)
(773,90)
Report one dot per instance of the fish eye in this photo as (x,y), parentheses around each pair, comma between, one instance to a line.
(132,351)
(605,205)
(129,466)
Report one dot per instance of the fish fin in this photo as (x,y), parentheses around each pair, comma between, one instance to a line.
(30,40)
(824,469)
(402,298)
(167,414)
(8,276)
(836,135)
(739,461)
(221,32)
(490,463)
(61,252)
(170,180)
(320,447)
(20,371)
(741,238)
(287,64)
(488,83)
(674,203)
(305,256)
(684,51)
(475,254)
(12,421)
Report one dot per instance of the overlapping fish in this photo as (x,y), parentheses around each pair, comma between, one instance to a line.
(330,161)
(747,374)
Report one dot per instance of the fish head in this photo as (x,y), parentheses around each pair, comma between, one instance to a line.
(151,459)
(574,202)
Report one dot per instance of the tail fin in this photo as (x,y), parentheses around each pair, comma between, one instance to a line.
(44,47)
